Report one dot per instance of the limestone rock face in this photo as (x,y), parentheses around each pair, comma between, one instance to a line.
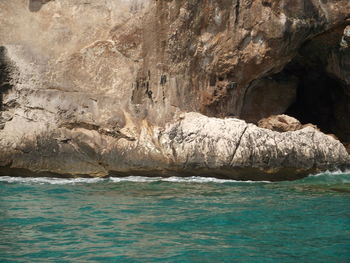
(95,87)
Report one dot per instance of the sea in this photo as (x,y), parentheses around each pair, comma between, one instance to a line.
(195,219)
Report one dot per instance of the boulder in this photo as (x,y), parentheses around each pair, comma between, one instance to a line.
(345,43)
(280,123)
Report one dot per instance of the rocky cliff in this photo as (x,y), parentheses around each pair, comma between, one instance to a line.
(102,87)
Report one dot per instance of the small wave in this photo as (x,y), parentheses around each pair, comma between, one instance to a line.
(176,179)
(48,180)
(334,177)
(198,179)
(132,179)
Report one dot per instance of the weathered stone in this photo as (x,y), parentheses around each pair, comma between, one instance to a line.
(280,123)
(192,145)
(95,86)
(345,42)
(310,125)
(347,147)
(333,136)
(199,142)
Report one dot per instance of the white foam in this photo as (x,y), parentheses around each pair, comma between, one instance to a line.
(337,172)
(48,180)
(133,179)
(176,179)
(328,177)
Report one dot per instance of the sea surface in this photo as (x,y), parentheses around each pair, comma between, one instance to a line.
(137,219)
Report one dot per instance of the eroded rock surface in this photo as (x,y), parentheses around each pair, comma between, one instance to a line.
(87,88)
(280,123)
(199,142)
(192,145)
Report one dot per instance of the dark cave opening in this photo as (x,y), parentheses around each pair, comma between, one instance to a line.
(322,67)
(314,87)
(317,98)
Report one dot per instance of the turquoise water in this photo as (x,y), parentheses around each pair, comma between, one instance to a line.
(175,220)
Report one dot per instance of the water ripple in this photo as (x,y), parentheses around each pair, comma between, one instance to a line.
(174,219)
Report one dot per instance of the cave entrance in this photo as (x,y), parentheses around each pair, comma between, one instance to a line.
(314,87)
(322,67)
(317,98)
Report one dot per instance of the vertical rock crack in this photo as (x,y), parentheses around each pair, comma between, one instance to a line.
(238,144)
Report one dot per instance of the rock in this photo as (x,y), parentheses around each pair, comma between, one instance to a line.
(94,88)
(192,145)
(345,42)
(235,149)
(347,147)
(311,125)
(217,59)
(333,136)
(280,123)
